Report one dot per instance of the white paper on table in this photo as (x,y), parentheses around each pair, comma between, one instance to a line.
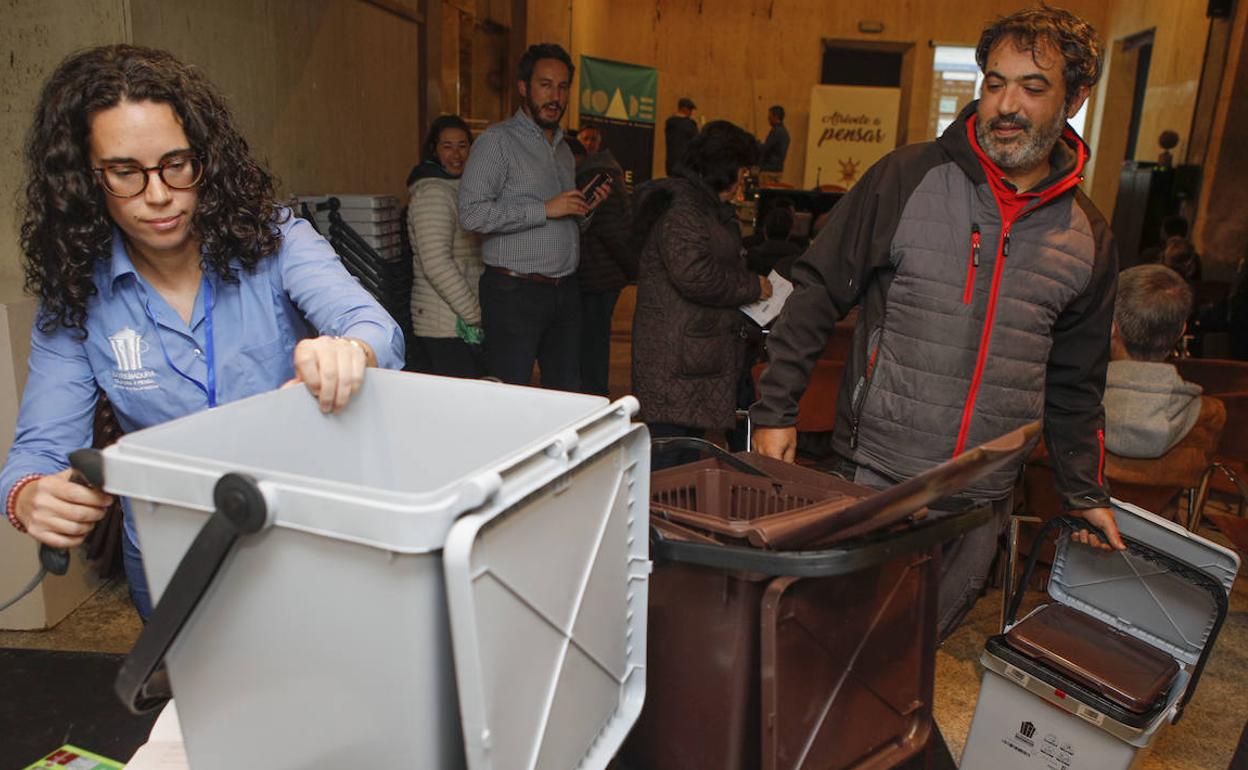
(765,310)
(161,755)
(164,749)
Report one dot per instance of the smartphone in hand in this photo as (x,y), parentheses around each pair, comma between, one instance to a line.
(594,184)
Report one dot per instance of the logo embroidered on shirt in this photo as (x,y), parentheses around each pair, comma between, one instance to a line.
(128,349)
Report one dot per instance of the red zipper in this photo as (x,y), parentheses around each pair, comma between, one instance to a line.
(1100,465)
(860,400)
(970,271)
(1035,201)
(1003,251)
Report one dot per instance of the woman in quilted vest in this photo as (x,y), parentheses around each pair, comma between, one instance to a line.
(446,313)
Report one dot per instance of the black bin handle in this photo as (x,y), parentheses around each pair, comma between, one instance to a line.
(706,447)
(142,683)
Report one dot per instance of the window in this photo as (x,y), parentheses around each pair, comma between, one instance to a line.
(955,82)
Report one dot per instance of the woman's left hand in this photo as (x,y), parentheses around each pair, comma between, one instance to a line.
(332,368)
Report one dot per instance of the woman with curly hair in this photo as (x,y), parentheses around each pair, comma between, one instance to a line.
(167,276)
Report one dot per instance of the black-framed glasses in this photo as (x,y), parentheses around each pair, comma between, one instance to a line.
(126,180)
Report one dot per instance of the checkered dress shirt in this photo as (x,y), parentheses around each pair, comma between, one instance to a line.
(511,173)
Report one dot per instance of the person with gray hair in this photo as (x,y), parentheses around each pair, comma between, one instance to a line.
(1148,407)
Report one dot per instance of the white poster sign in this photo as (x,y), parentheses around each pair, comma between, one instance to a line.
(851,127)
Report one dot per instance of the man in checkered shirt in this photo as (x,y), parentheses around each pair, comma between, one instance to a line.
(519,192)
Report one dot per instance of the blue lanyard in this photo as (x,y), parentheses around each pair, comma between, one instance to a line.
(210,391)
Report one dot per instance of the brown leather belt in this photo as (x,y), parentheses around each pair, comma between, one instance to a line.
(534,277)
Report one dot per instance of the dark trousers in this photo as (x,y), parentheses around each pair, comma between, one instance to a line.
(451,357)
(964,562)
(527,321)
(596,310)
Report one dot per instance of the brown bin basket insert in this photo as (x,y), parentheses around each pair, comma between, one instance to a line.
(713,497)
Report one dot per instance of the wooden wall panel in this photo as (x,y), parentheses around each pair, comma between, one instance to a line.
(1170,98)
(327,91)
(35,36)
(737,57)
(1222,221)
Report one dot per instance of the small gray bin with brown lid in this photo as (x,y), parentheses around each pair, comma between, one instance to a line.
(1119,652)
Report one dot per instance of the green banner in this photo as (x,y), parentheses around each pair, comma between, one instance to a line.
(619,99)
(612,89)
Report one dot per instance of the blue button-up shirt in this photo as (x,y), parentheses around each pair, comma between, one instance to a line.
(131,356)
(511,173)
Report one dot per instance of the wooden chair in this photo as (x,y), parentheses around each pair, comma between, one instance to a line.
(1151,484)
(816,412)
(1215,375)
(841,342)
(1234,527)
(1229,470)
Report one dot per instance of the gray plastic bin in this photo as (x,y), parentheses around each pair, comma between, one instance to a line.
(456,576)
(1168,591)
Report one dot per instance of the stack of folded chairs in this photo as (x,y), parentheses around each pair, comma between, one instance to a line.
(367,232)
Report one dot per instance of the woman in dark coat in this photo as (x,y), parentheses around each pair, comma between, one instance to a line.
(688,343)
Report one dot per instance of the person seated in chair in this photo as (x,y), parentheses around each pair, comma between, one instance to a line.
(775,249)
(1148,407)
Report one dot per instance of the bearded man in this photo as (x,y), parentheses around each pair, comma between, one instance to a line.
(519,192)
(986,284)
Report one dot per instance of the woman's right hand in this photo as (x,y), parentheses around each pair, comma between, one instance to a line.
(765,285)
(59,512)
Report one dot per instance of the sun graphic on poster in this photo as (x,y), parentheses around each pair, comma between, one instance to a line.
(849,170)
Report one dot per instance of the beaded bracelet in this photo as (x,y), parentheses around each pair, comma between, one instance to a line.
(10,503)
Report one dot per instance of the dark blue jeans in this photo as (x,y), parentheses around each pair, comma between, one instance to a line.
(132,560)
(527,321)
(596,310)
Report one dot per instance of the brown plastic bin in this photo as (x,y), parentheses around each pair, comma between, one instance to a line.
(749,669)
(794,659)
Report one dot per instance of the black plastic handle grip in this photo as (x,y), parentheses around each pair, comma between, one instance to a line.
(142,683)
(88,470)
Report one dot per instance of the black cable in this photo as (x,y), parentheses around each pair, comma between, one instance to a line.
(29,587)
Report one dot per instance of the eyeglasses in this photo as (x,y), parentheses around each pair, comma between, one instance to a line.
(126,180)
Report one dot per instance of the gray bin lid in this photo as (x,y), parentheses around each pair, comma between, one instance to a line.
(547,597)
(1139,597)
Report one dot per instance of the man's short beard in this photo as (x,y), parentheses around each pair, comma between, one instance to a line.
(535,112)
(1029,150)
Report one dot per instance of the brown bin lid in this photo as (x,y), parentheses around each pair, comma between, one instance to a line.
(1122,668)
(793,507)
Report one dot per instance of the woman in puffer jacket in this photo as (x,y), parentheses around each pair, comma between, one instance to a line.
(446,313)
(688,341)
